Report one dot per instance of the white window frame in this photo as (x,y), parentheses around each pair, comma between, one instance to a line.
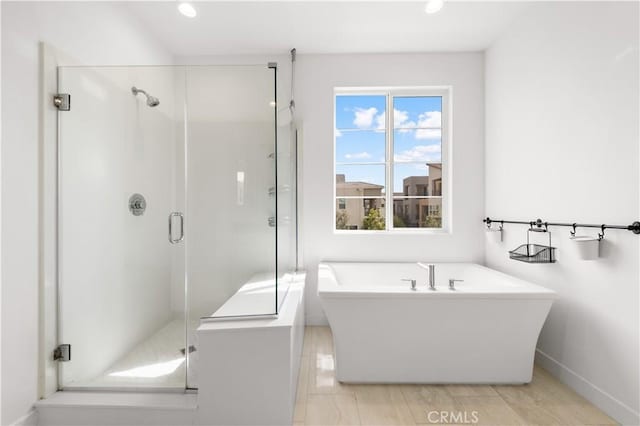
(445,92)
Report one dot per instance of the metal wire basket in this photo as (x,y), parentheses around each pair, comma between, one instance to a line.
(534,253)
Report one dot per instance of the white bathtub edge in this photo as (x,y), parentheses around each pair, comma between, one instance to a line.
(328,287)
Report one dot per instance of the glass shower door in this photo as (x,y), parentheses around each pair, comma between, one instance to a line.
(120,227)
(169,210)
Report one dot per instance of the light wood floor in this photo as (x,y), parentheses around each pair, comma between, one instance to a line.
(322,400)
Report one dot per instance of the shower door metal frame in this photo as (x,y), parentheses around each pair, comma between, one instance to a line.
(50,59)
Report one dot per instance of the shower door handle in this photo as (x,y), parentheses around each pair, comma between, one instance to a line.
(171,216)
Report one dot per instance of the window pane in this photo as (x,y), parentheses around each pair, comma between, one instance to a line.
(417,212)
(417,134)
(360,181)
(360,213)
(361,146)
(417,112)
(407,148)
(417,179)
(365,112)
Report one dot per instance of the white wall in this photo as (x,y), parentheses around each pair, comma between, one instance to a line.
(317,75)
(562,144)
(95,33)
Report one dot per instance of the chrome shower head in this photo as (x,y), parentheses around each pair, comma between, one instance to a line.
(152,101)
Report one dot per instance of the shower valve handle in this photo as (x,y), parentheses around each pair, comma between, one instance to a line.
(452,283)
(413,282)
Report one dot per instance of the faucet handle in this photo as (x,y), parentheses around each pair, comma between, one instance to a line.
(452,283)
(413,282)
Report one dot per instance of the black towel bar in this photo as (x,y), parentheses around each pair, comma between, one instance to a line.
(538,223)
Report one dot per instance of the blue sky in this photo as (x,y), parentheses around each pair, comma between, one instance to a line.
(360,136)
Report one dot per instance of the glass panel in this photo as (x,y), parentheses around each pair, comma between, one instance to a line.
(124,305)
(417,134)
(287,204)
(417,212)
(231,194)
(406,148)
(360,213)
(120,279)
(412,179)
(417,112)
(363,112)
(231,190)
(417,152)
(360,180)
(360,146)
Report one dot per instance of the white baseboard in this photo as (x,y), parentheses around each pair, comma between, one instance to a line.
(598,397)
(29,419)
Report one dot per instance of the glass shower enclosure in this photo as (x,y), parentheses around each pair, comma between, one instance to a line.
(176,202)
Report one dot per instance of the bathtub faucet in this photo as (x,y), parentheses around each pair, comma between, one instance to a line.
(452,283)
(432,277)
(432,274)
(412,281)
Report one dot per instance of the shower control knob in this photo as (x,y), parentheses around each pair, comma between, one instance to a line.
(137,204)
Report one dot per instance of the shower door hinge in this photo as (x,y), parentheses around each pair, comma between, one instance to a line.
(62,101)
(62,353)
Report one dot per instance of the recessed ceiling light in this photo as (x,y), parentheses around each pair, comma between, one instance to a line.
(187,10)
(433,6)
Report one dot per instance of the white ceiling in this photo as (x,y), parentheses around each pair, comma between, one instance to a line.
(325,27)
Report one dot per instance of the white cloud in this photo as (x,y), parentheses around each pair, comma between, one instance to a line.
(358,156)
(401,119)
(429,119)
(370,119)
(338,133)
(421,153)
(364,117)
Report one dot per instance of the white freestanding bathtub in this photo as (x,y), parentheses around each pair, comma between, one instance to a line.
(484,331)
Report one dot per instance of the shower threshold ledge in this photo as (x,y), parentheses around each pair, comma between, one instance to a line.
(117,408)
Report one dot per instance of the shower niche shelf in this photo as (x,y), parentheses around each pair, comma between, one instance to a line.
(280,190)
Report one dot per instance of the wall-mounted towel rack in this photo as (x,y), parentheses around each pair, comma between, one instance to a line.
(538,223)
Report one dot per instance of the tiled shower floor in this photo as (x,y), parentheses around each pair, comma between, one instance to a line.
(157,362)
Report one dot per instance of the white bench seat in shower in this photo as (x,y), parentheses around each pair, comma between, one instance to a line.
(257,296)
(248,368)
